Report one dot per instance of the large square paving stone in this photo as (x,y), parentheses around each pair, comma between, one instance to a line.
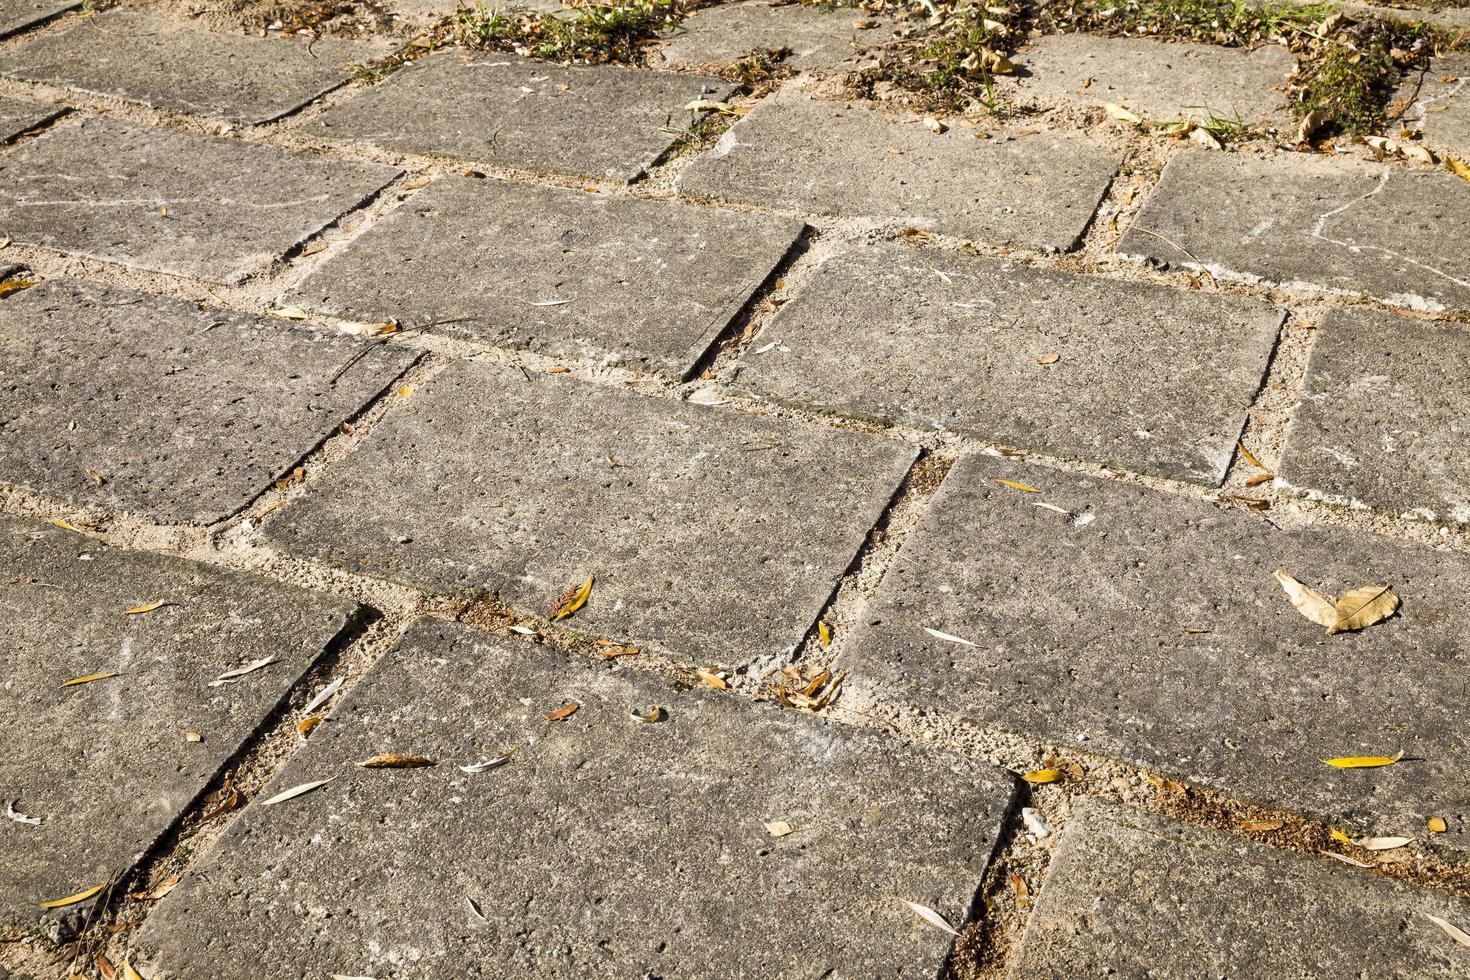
(1437,103)
(168,65)
(17,15)
(1384,418)
(1150,379)
(106,765)
(18,115)
(1159,80)
(1313,222)
(561,271)
(173,202)
(184,414)
(815,156)
(712,534)
(1150,628)
(602,121)
(814,39)
(605,847)
(1134,895)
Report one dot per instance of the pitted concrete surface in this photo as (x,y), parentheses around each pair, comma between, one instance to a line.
(17,15)
(18,115)
(808,38)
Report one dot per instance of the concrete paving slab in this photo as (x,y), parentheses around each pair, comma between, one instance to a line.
(815,39)
(714,535)
(601,121)
(17,15)
(1159,80)
(220,210)
(605,847)
(1150,628)
(168,64)
(1384,417)
(1388,232)
(648,283)
(1134,895)
(106,765)
(1437,103)
(18,116)
(1149,379)
(184,414)
(814,156)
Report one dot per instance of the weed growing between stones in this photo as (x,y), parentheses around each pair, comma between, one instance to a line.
(597,33)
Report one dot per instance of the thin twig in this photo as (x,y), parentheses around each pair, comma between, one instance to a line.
(1167,240)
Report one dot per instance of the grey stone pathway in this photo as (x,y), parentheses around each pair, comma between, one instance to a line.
(751,528)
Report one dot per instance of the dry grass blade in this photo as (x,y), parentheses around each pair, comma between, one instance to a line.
(295,791)
(1450,929)
(930,916)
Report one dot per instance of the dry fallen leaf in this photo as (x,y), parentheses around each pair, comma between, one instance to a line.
(939,635)
(140,610)
(129,973)
(392,760)
(193,737)
(1166,784)
(89,678)
(1248,456)
(779,828)
(94,476)
(323,696)
(572,600)
(564,712)
(295,791)
(1458,167)
(1339,836)
(11,813)
(1023,893)
(1121,114)
(1051,358)
(16,285)
(1363,607)
(1023,487)
(485,765)
(1260,478)
(1362,761)
(405,391)
(711,679)
(417,182)
(157,891)
(1346,859)
(1450,929)
(105,968)
(1311,124)
(824,632)
(650,715)
(1319,608)
(305,725)
(228,800)
(1042,776)
(930,916)
(1437,825)
(1383,843)
(239,672)
(81,896)
(288,313)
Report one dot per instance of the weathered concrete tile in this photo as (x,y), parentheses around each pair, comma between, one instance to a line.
(1436,103)
(17,15)
(218,210)
(17,116)
(1133,895)
(1151,379)
(1157,79)
(804,154)
(1150,628)
(712,534)
(1384,417)
(815,39)
(185,414)
(167,64)
(601,121)
(1388,232)
(605,847)
(105,765)
(651,283)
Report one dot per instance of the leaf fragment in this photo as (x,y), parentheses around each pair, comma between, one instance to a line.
(1320,609)
(1041,777)
(940,635)
(1121,114)
(1339,836)
(81,896)
(1362,761)
(1248,456)
(930,916)
(11,813)
(572,600)
(1348,859)
(1450,929)
(288,313)
(1023,487)
(191,736)
(485,765)
(1363,607)
(1383,843)
(1050,358)
(89,678)
(1457,166)
(1022,892)
(711,679)
(228,800)
(779,828)
(650,715)
(94,476)
(146,608)
(1437,825)
(824,633)
(564,712)
(157,891)
(238,672)
(295,791)
(304,726)
(1166,784)
(322,697)
(394,760)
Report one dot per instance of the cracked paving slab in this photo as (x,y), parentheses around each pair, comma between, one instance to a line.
(19,116)
(106,765)
(1151,379)
(183,414)
(1149,628)
(815,39)
(604,847)
(815,156)
(1135,895)
(1437,103)
(563,272)
(172,202)
(712,534)
(601,121)
(161,63)
(17,15)
(1388,232)
(1384,417)
(1159,80)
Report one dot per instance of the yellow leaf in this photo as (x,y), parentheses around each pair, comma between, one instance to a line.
(1458,167)
(1121,114)
(59,903)
(1340,837)
(1362,761)
(1166,784)
(1042,776)
(1437,825)
(405,391)
(651,715)
(392,760)
(824,633)
(16,285)
(572,600)
(140,610)
(1024,488)
(305,725)
(89,678)
(1248,456)
(564,712)
(288,313)
(710,679)
(1363,607)
(129,973)
(1314,605)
